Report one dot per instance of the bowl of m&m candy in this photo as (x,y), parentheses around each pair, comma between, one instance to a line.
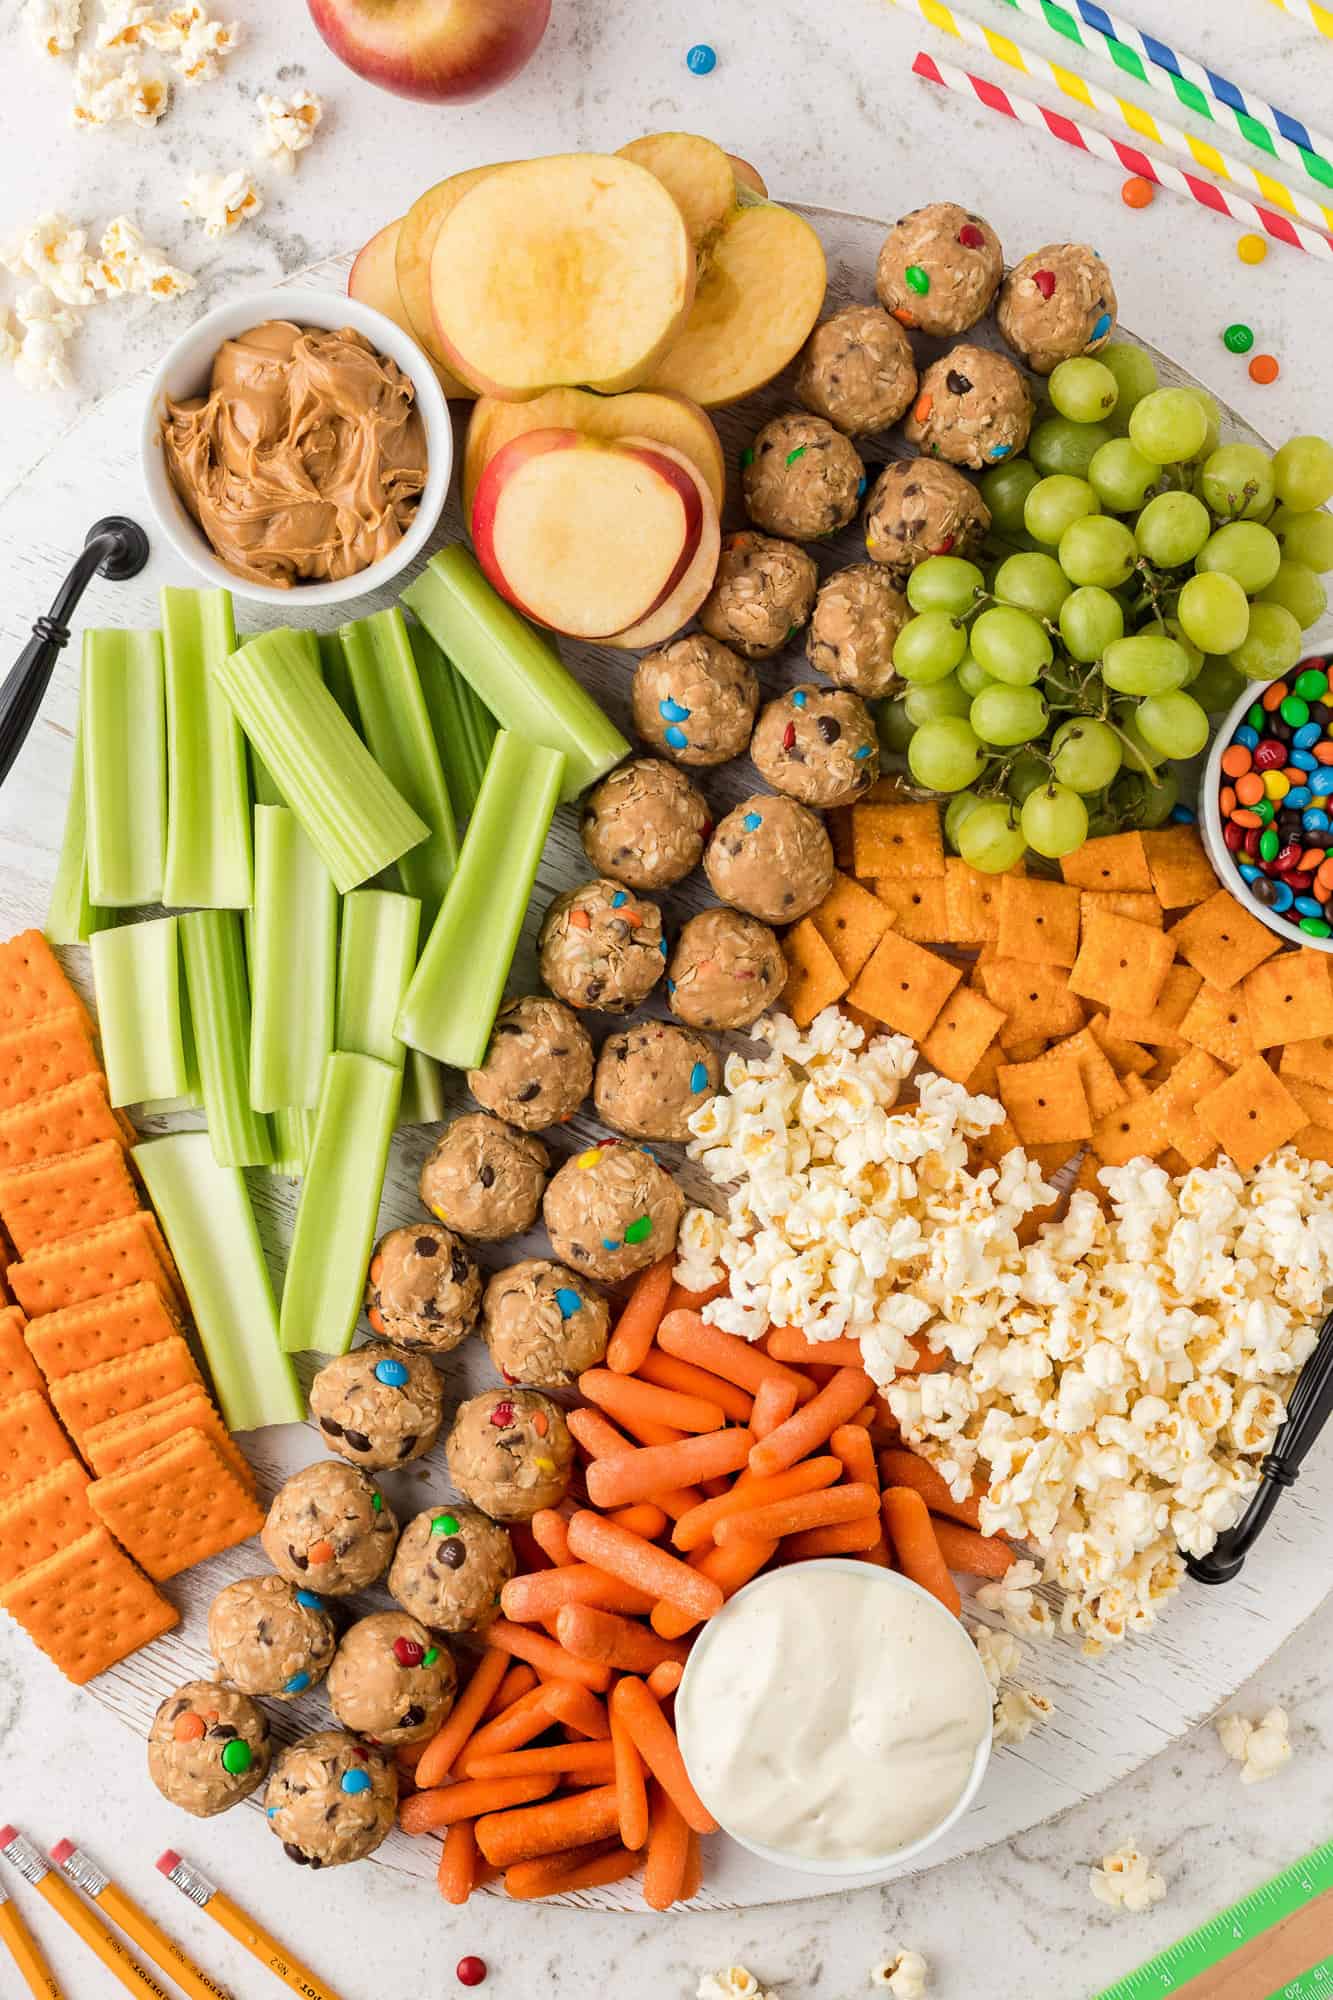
(1267,803)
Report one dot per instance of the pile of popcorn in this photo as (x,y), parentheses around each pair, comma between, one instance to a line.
(109,87)
(60,273)
(1116,1381)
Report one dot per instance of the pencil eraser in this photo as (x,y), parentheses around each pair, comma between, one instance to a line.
(61,1852)
(8,1834)
(168,1861)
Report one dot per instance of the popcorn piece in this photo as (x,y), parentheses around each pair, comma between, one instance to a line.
(288,127)
(196,41)
(54,252)
(110,92)
(221,202)
(40,361)
(10,343)
(54,24)
(1127,1880)
(905,1975)
(1026,1616)
(1017,1712)
(1000,1652)
(125,264)
(1260,1748)
(123,23)
(733,1982)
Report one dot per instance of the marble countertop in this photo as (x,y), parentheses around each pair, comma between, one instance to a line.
(821,99)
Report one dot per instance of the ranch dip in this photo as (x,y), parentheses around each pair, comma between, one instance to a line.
(832,1715)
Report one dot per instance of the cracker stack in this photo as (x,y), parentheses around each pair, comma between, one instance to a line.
(91,1349)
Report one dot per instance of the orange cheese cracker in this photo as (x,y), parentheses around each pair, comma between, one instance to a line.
(1035,998)
(1120,963)
(31,1441)
(904,986)
(116,1443)
(1101,1085)
(1116,861)
(1315,1102)
(1159,1025)
(1192,1078)
(175,1506)
(100,1330)
(66,1120)
(88,1606)
(1315,1142)
(918,907)
(129,1251)
(901,841)
(112,1388)
(1219,1022)
(814,978)
(1045,1101)
(1182,875)
(43,1517)
(972,901)
(1251,1114)
(32,982)
(1311,1059)
(18,1371)
(1038,921)
(1289,998)
(1221,940)
(851,922)
(1125,1058)
(42,1055)
(51,1199)
(1135,903)
(1134,1129)
(964,1029)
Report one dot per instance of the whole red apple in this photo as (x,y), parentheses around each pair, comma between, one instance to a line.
(446,51)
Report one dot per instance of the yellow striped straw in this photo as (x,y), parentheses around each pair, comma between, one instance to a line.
(1310,14)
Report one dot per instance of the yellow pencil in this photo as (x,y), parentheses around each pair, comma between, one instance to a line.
(26,1952)
(19,1850)
(137,1925)
(218,1905)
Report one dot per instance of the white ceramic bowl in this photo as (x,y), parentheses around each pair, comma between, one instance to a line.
(1210,819)
(185,371)
(850,1867)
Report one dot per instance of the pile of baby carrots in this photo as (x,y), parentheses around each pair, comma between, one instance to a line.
(705,1458)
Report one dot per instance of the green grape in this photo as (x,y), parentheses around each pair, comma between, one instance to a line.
(1133,371)
(1005,716)
(1054,821)
(944,583)
(1121,477)
(1057,445)
(1270,646)
(924,702)
(1168,426)
(1026,771)
(1237,482)
(1138,799)
(1172,529)
(1083,390)
(1145,663)
(1174,724)
(891,721)
(1010,646)
(1213,611)
(1193,653)
(946,754)
(972,676)
(1054,502)
(1034,583)
(1213,417)
(1085,753)
(1305,537)
(991,838)
(1297,586)
(1090,620)
(929,647)
(1242,549)
(1097,550)
(1217,684)
(1004,489)
(1139,756)
(1303,470)
(960,807)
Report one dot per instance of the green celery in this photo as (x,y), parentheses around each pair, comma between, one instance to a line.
(265,791)
(340,1200)
(464,726)
(377,954)
(337,677)
(124,767)
(219,995)
(293,939)
(206,1216)
(423,1091)
(517,673)
(208,862)
(356,819)
(293,1130)
(397,730)
(137,979)
(451,1004)
(71,916)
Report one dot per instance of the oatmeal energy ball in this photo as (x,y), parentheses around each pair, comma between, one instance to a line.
(377,1407)
(391,1681)
(612,1210)
(331,1528)
(918,508)
(801,478)
(1055,304)
(208,1748)
(423,1288)
(858,615)
(771,858)
(601,946)
(761,595)
(939,268)
(974,408)
(511,1453)
(452,1563)
(695,700)
(330,1799)
(484,1179)
(650,1078)
(818,745)
(645,825)
(543,1324)
(726,970)
(858,371)
(270,1638)
(538,1068)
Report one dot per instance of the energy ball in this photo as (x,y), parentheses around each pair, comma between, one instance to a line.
(858,615)
(331,1799)
(484,1179)
(858,371)
(268,1637)
(612,1210)
(543,1325)
(208,1748)
(423,1288)
(452,1563)
(601,946)
(651,1078)
(939,268)
(761,596)
(391,1681)
(726,970)
(645,825)
(771,858)
(538,1068)
(1056,303)
(510,1453)
(378,1408)
(330,1527)
(920,508)
(695,700)
(974,408)
(818,745)
(801,478)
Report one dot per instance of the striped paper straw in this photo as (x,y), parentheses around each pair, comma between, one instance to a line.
(1183,144)
(1087,140)
(1309,14)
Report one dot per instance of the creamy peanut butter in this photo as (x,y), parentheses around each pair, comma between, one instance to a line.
(306,460)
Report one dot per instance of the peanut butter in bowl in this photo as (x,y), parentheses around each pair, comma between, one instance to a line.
(306,460)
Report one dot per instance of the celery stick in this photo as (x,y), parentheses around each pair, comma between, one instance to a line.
(377,955)
(206,1216)
(337,678)
(449,1008)
(340,1200)
(220,1011)
(355,818)
(423,1090)
(517,673)
(71,917)
(292,1133)
(208,785)
(464,726)
(137,979)
(293,965)
(261,783)
(124,767)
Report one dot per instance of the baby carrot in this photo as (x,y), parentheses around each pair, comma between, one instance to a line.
(580,1868)
(643,1564)
(973,1554)
(851,1444)
(643,1518)
(665,1678)
(662,1468)
(629,1400)
(601,1439)
(690,1338)
(655,1740)
(438,1757)
(904,1468)
(458,1862)
(728,1568)
(639,1319)
(668,1853)
(615,1642)
(548,1828)
(788,1343)
(912,1533)
(802,1511)
(631,1786)
(550,1531)
(552,1662)
(425,1811)
(587,1763)
(681,1300)
(529,1598)
(577,1709)
(808,1428)
(692,1876)
(692,1530)
(927,1361)
(774,1402)
(839,1538)
(531,1715)
(670,1373)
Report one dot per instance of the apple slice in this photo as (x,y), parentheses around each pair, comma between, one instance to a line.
(560,272)
(692,587)
(584,536)
(748,176)
(697,175)
(373,280)
(638,413)
(416,241)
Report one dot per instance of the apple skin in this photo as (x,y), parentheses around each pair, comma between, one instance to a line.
(444,51)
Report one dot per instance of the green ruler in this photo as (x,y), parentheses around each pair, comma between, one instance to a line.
(1281,1945)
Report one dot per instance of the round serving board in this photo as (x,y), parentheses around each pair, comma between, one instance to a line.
(1110,1715)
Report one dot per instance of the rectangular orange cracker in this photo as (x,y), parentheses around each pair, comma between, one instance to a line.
(1315,1142)
(109,1447)
(1159,1025)
(1133,1129)
(41,1055)
(175,1506)
(129,1251)
(31,1441)
(1125,1058)
(972,901)
(51,1199)
(1192,1078)
(68,1119)
(1251,1114)
(1022,1049)
(1221,940)
(1088,1181)
(1219,1022)
(94,1395)
(1315,1102)
(1135,903)
(1289,998)
(80,1336)
(814,978)
(43,1517)
(33,982)
(1045,1101)
(1036,998)
(964,1029)
(87,1607)
(851,922)
(1038,921)
(1101,1085)
(18,1371)
(1121,964)
(898,841)
(983,1081)
(917,907)
(1116,861)
(904,986)
(1182,875)
(1310,1059)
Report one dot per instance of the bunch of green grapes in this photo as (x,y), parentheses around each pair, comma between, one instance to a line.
(1139,571)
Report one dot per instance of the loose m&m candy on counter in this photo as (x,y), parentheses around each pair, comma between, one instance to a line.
(1275,799)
